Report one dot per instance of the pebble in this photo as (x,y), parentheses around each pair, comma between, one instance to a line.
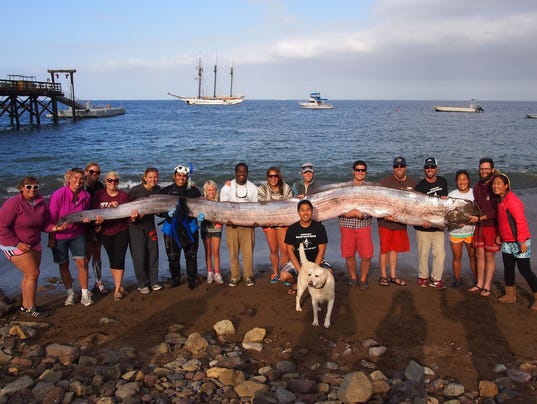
(204,368)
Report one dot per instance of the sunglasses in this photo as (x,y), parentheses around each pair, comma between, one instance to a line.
(29,187)
(93,172)
(360,170)
(273,176)
(111,180)
(430,167)
(399,166)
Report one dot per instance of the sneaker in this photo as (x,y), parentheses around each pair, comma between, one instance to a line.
(32,312)
(210,277)
(439,285)
(86,300)
(423,282)
(218,278)
(100,288)
(274,278)
(235,281)
(70,300)
(156,286)
(144,291)
(249,282)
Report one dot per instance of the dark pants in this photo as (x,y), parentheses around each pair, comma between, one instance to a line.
(191,257)
(524,267)
(144,253)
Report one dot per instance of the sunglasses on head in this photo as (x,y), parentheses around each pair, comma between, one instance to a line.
(113,180)
(93,172)
(35,187)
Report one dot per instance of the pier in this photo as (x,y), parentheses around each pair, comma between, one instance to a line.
(22,96)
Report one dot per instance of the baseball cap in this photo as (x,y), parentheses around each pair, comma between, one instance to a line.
(180,169)
(307,167)
(430,161)
(399,161)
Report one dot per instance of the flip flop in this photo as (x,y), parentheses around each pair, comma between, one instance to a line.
(475,289)
(383,282)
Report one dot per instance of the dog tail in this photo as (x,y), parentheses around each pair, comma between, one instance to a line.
(303,257)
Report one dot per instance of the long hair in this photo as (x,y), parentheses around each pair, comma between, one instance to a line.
(280,179)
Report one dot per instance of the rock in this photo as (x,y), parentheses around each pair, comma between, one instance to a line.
(286,367)
(17,385)
(369,342)
(41,390)
(227,377)
(380,386)
(191,365)
(253,346)
(377,351)
(301,386)
(499,368)
(255,335)
(64,353)
(54,396)
(407,390)
(127,391)
(487,389)
(49,375)
(283,396)
(195,343)
(356,387)
(224,327)
(453,390)
(518,376)
(414,372)
(250,388)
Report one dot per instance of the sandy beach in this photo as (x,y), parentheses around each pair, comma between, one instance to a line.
(456,333)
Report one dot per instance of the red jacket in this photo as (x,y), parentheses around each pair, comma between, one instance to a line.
(516,208)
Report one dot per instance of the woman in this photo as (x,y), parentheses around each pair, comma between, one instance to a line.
(463,235)
(115,232)
(275,189)
(93,241)
(143,236)
(22,219)
(211,234)
(68,199)
(516,239)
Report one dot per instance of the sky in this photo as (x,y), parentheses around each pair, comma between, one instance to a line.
(346,49)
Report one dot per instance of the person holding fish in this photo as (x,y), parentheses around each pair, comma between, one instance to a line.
(392,234)
(307,185)
(274,190)
(211,234)
(114,232)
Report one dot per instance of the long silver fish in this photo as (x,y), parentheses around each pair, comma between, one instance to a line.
(408,207)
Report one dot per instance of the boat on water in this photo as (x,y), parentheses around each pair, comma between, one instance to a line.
(315,102)
(214,100)
(472,107)
(92,111)
(534,116)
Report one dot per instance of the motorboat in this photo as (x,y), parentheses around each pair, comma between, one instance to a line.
(472,107)
(92,111)
(315,102)
(534,116)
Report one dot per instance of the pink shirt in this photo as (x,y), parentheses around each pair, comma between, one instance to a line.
(62,203)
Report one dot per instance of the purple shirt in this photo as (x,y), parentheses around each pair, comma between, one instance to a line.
(22,221)
(62,203)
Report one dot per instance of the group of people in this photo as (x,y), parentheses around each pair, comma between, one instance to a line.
(500,224)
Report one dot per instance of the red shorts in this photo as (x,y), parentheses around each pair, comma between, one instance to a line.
(393,240)
(356,240)
(485,237)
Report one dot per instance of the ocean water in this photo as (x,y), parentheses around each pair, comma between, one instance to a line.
(265,133)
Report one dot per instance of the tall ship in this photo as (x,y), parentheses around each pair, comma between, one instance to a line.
(214,100)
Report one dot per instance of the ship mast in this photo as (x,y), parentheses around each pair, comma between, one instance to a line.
(231,74)
(200,74)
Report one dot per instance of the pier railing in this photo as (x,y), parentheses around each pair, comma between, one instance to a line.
(27,88)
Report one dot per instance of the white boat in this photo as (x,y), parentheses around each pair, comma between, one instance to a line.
(472,107)
(92,111)
(534,116)
(315,102)
(214,100)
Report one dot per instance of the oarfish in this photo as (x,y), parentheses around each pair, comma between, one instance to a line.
(404,206)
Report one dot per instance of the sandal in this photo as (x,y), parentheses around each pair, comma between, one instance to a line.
(397,281)
(383,281)
(291,291)
(485,292)
(475,288)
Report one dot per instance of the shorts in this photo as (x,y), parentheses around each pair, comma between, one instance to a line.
(356,240)
(292,270)
(77,246)
(514,249)
(485,237)
(116,248)
(210,234)
(457,240)
(11,252)
(266,229)
(393,240)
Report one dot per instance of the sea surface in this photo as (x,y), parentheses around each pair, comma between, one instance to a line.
(263,133)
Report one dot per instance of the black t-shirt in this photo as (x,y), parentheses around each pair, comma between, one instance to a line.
(438,188)
(311,236)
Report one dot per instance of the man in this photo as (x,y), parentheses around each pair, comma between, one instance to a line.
(393,235)
(429,238)
(355,229)
(182,188)
(306,186)
(240,239)
(312,234)
(486,231)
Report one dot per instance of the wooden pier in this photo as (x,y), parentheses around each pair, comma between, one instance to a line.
(22,96)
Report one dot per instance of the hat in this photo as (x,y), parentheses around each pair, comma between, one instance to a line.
(307,167)
(180,169)
(500,174)
(430,161)
(399,161)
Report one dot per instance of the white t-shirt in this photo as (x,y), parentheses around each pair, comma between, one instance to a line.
(468,229)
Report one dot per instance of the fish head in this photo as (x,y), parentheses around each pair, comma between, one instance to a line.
(460,215)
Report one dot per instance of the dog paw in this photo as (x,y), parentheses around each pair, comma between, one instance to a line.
(298,308)
(326,325)
(315,323)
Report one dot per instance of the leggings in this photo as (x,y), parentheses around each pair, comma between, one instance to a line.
(524,267)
